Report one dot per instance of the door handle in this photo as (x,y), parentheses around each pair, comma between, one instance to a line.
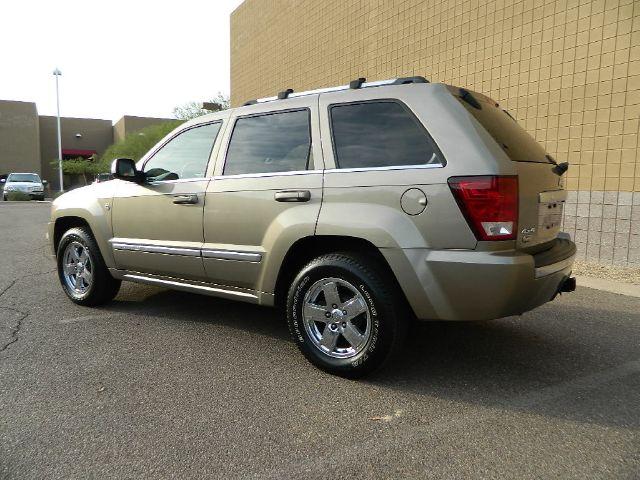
(293,196)
(185,199)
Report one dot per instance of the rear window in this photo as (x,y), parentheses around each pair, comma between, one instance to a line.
(514,140)
(380,134)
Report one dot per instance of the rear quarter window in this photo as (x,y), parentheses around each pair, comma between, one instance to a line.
(380,134)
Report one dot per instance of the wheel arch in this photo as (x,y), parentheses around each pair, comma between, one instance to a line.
(99,228)
(307,248)
(62,224)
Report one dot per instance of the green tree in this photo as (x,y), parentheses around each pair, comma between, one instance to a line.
(136,144)
(194,109)
(80,166)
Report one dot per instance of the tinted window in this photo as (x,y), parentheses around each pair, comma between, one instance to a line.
(380,134)
(184,156)
(514,140)
(276,142)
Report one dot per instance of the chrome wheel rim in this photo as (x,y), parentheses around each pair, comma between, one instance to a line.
(336,318)
(77,268)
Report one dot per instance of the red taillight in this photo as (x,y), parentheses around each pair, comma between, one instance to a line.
(490,205)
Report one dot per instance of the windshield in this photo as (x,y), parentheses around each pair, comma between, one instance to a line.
(514,140)
(24,177)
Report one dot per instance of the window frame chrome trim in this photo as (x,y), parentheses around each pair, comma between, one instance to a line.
(378,169)
(267,174)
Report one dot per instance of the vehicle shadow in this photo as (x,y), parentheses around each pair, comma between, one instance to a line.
(558,361)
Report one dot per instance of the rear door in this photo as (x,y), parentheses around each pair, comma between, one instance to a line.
(157,225)
(266,192)
(542,194)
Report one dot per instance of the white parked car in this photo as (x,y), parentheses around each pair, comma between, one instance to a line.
(29,183)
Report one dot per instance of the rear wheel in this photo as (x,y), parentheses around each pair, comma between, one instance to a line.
(81,270)
(344,315)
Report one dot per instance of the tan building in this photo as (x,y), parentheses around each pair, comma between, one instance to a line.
(19,137)
(568,70)
(29,142)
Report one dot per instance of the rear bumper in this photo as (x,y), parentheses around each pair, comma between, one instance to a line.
(475,285)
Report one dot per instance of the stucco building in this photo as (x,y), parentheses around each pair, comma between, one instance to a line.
(29,142)
(568,70)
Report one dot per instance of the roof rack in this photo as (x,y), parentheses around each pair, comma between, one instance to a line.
(353,85)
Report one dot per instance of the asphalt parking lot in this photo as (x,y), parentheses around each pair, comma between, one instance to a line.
(163,384)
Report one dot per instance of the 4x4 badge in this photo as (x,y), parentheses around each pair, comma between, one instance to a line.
(527,233)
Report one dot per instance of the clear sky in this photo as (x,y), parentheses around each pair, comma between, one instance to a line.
(134,57)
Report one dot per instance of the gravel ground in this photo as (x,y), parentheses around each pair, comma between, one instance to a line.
(610,272)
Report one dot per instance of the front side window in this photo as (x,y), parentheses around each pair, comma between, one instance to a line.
(275,142)
(380,134)
(184,156)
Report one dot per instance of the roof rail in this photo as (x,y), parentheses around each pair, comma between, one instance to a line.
(354,84)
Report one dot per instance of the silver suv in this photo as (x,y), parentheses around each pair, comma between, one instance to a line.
(28,183)
(353,208)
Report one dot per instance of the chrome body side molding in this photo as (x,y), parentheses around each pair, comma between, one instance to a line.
(186,286)
(191,252)
(120,244)
(232,255)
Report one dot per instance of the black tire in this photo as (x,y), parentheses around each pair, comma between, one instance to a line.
(386,310)
(103,287)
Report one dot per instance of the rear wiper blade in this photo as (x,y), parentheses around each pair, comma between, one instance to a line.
(559,168)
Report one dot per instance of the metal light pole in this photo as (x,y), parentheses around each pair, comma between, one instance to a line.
(57,73)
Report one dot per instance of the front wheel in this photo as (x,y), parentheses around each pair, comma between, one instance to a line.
(344,314)
(81,270)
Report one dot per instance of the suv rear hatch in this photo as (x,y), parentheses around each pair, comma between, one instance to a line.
(541,189)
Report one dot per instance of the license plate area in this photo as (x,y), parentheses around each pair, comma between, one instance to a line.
(550,209)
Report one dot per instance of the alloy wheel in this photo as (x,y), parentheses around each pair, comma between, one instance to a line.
(336,318)
(77,268)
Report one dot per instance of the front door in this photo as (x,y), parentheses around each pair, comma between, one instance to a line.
(266,194)
(157,225)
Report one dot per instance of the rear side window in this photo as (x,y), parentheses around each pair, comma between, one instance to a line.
(380,134)
(274,142)
(512,138)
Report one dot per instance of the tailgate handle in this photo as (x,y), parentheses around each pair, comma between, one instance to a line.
(185,199)
(293,196)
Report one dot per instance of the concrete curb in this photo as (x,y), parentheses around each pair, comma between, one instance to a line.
(606,285)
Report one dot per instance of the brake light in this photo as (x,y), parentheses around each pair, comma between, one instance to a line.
(490,205)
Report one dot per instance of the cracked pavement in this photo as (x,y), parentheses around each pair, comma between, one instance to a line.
(163,384)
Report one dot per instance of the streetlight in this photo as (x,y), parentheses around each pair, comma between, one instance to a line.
(57,73)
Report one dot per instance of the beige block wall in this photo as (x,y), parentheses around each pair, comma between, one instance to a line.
(568,70)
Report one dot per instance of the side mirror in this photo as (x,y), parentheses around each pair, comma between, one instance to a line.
(45,182)
(2,180)
(125,169)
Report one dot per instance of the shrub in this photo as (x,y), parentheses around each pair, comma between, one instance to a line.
(18,196)
(135,145)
